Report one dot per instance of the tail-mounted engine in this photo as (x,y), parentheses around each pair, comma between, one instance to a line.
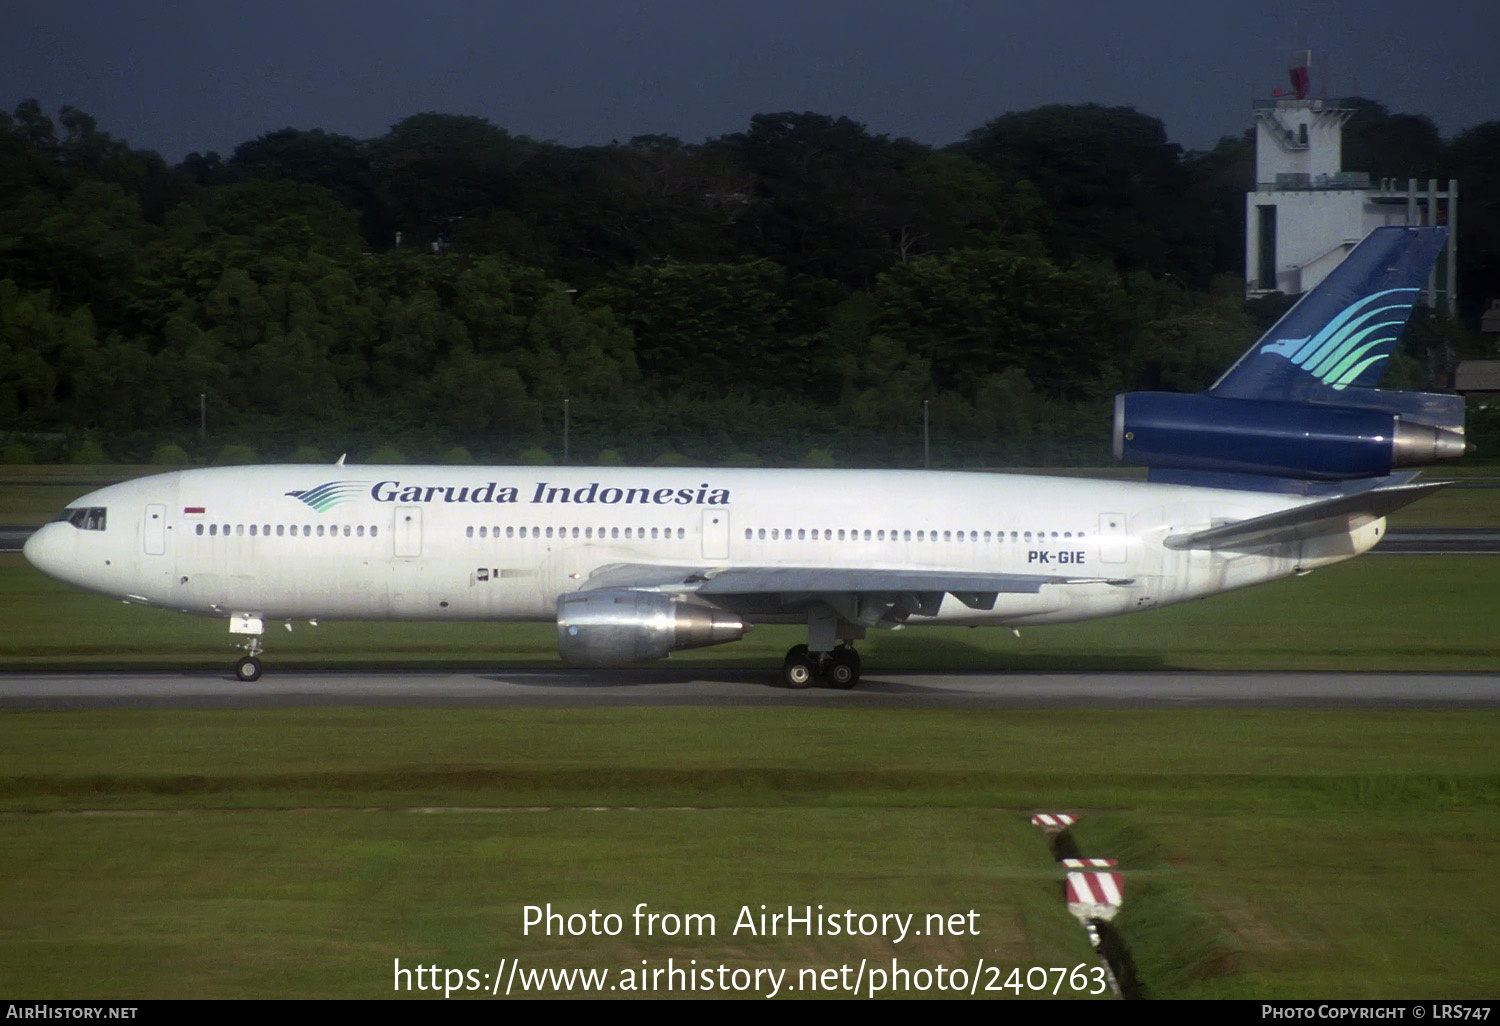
(1372,435)
(601,628)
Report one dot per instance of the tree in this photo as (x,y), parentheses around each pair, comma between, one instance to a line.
(974,313)
(745,328)
(1111,180)
(1474,160)
(1387,145)
(337,163)
(832,199)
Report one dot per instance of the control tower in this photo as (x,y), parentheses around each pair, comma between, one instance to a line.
(1307,212)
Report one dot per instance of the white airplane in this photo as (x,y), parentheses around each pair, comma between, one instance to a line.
(1286,464)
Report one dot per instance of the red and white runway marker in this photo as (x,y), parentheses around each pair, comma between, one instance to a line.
(1095,895)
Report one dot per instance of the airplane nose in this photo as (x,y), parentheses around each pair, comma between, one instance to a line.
(43,550)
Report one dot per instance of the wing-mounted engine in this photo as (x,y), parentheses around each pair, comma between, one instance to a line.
(613,626)
(1368,435)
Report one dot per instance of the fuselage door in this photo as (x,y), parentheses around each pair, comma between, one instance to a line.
(408,531)
(154,531)
(1112,538)
(716,533)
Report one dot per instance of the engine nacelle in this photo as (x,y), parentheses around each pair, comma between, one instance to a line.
(606,628)
(1282,439)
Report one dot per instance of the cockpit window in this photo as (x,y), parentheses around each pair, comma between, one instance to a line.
(85,518)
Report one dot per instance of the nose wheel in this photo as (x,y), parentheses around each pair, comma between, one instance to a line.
(248,669)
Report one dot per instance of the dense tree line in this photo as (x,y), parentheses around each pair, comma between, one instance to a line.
(790,293)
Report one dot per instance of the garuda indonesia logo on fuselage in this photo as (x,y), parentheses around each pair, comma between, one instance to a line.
(1355,340)
(326,496)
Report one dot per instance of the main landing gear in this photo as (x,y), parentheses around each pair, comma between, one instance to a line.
(838,668)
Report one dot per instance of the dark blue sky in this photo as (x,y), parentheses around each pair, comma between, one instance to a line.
(178,77)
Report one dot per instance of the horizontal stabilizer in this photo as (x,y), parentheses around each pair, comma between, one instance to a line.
(1338,515)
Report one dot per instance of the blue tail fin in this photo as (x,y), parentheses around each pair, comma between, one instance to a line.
(1342,333)
(1300,411)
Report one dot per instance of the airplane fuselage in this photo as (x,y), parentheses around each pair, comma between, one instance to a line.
(506,543)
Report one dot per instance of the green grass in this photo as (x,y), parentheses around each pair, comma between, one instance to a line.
(280,853)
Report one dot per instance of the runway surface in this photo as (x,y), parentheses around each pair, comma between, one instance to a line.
(697,687)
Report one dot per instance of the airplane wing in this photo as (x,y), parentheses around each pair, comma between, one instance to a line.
(871,598)
(1338,515)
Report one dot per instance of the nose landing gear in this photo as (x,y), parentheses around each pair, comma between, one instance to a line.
(248,669)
